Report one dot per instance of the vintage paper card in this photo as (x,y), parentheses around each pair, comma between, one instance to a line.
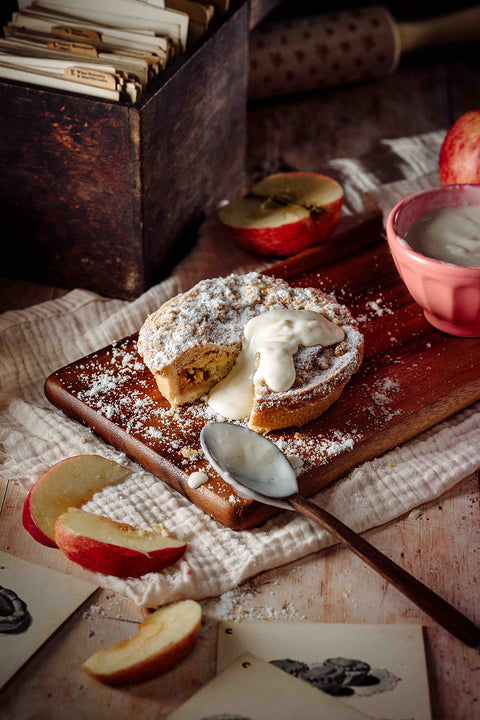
(34,602)
(379,669)
(252,688)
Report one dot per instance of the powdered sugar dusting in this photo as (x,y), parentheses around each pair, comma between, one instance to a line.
(374,309)
(234,605)
(382,395)
(378,308)
(313,450)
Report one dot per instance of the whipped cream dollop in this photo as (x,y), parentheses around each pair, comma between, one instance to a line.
(275,337)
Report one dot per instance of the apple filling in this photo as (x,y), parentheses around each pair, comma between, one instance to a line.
(182,386)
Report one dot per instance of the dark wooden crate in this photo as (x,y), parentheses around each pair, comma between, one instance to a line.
(106,196)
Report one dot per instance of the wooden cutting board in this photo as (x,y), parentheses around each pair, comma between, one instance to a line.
(412,377)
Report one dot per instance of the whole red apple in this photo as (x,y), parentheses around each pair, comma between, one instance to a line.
(459,160)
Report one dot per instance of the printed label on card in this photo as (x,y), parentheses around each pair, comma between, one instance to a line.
(72,47)
(97,78)
(76,33)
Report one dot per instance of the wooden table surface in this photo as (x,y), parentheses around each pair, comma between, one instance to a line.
(441,546)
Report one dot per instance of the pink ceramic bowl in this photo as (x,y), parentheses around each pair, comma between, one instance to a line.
(448,294)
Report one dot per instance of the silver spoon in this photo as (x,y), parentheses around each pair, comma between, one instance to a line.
(257,468)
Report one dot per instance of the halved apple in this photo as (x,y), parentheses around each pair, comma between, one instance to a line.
(165,638)
(112,548)
(284,213)
(69,483)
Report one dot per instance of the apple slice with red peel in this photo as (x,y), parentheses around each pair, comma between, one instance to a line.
(112,548)
(284,213)
(69,483)
(164,639)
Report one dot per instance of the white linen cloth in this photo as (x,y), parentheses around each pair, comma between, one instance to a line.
(34,435)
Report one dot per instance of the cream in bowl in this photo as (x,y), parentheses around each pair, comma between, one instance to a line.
(434,238)
(450,234)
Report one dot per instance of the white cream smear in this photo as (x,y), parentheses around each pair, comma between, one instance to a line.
(450,234)
(197,478)
(275,337)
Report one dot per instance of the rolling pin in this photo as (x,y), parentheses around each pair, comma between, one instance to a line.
(307,53)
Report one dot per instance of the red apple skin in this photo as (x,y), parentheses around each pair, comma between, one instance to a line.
(111,559)
(31,526)
(459,160)
(290,238)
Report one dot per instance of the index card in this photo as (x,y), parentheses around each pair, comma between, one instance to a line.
(34,602)
(379,669)
(252,688)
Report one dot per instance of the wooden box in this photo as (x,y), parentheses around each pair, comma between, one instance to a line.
(107,196)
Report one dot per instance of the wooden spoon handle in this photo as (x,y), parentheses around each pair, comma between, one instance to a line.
(440,610)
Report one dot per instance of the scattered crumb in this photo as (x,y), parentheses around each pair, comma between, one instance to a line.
(93,611)
(160,529)
(191,453)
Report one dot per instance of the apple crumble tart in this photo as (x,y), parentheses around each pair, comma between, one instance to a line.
(199,344)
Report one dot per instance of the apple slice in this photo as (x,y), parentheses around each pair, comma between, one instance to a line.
(69,483)
(103,545)
(165,638)
(284,213)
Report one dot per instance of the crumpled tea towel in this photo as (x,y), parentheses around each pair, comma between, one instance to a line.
(34,435)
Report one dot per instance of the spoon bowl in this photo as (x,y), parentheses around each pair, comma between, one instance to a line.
(257,468)
(249,462)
